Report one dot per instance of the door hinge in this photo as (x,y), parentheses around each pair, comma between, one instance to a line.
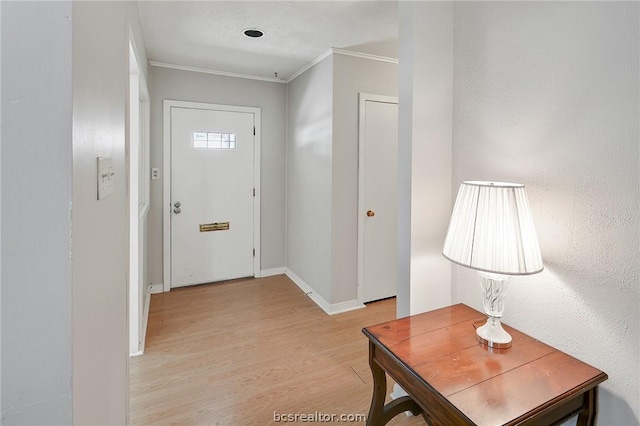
(254,130)
(254,192)
(254,252)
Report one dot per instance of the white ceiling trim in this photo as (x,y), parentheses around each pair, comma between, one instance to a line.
(332,51)
(336,51)
(364,55)
(309,65)
(216,72)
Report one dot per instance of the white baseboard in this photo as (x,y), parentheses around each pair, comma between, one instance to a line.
(329,308)
(271,272)
(349,305)
(156,288)
(145,319)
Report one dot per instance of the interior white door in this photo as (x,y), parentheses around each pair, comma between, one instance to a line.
(378,199)
(212,164)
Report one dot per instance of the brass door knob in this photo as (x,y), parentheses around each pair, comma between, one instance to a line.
(371,213)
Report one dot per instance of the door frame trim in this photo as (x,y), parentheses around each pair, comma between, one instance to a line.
(168,104)
(362,99)
(137,141)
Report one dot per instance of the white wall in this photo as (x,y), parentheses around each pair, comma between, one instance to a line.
(547,94)
(100,228)
(198,87)
(424,154)
(0,211)
(36,203)
(322,172)
(309,150)
(351,75)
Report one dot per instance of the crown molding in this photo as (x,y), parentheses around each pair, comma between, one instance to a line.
(216,72)
(332,51)
(364,55)
(309,65)
(336,51)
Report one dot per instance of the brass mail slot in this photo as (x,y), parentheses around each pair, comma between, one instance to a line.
(218,226)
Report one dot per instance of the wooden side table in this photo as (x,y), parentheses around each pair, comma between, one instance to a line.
(452,379)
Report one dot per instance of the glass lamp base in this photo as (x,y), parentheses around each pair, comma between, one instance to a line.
(493,335)
(494,288)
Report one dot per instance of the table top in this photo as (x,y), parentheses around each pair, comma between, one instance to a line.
(489,386)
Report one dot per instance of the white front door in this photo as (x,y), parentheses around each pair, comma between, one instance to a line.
(378,203)
(212,195)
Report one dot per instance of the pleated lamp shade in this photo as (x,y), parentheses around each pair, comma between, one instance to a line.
(492,230)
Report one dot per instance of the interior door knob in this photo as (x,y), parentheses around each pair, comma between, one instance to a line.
(177,204)
(177,210)
(371,213)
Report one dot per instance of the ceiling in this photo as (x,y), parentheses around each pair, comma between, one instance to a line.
(209,34)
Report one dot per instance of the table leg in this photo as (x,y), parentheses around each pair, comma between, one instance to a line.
(380,414)
(587,417)
(376,411)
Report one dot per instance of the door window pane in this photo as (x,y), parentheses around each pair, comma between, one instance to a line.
(214,140)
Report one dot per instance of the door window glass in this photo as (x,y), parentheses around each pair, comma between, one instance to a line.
(214,140)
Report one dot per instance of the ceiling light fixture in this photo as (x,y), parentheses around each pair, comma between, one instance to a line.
(253,32)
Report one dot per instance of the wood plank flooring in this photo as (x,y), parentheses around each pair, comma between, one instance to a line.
(235,353)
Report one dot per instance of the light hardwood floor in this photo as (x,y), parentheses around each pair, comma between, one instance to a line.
(235,353)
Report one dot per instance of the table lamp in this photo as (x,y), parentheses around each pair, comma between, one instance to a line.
(492,231)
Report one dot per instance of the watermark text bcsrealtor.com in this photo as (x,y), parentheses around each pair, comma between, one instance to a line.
(318,417)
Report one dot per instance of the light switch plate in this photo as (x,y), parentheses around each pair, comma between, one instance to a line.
(105,177)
